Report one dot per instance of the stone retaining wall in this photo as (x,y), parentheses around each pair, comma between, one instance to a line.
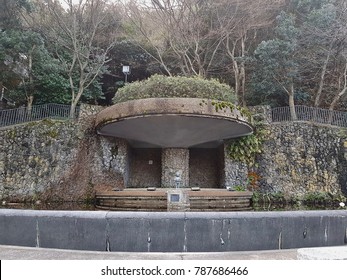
(297,158)
(35,155)
(60,160)
(303,157)
(64,160)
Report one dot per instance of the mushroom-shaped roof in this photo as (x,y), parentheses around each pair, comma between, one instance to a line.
(173,122)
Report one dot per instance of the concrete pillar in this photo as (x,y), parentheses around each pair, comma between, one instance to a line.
(174,160)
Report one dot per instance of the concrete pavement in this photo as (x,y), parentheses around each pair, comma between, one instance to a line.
(28,253)
(315,253)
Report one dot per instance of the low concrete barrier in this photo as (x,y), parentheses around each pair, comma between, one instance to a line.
(172,231)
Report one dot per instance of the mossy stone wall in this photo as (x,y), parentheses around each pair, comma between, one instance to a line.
(60,160)
(297,158)
(34,155)
(66,160)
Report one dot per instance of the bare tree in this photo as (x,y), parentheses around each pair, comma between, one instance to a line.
(181,30)
(200,36)
(341,52)
(239,22)
(342,85)
(147,31)
(76,29)
(322,48)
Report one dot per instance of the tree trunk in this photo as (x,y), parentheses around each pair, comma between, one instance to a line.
(73,107)
(337,98)
(30,100)
(74,101)
(72,110)
(2,91)
(243,83)
(322,77)
(343,91)
(30,96)
(243,72)
(236,69)
(237,80)
(292,103)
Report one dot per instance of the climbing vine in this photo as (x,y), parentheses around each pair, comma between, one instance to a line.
(245,149)
(223,105)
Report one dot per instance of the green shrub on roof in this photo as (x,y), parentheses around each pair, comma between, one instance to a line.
(163,86)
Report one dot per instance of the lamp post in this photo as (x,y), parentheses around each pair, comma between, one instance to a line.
(126,72)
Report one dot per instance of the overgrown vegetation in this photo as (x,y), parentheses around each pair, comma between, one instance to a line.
(277,53)
(164,86)
(223,105)
(239,188)
(246,148)
(268,200)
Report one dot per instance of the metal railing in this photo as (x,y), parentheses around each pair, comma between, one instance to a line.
(310,114)
(37,112)
(280,114)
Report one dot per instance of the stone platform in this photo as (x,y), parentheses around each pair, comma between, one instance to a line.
(181,199)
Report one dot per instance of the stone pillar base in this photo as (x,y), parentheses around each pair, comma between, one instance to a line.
(177,200)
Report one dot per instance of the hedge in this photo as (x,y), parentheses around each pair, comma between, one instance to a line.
(163,86)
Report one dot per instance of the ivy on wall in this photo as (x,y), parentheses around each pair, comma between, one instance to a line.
(245,149)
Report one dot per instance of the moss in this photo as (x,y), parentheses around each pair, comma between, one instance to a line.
(221,105)
(48,122)
(11,134)
(245,113)
(309,199)
(52,133)
(114,151)
(32,124)
(240,188)
(342,133)
(270,198)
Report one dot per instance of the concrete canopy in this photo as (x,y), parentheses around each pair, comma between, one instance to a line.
(171,122)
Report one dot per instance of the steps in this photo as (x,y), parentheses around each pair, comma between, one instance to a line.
(174,200)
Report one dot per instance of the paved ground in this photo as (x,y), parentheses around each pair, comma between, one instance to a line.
(27,253)
(318,253)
